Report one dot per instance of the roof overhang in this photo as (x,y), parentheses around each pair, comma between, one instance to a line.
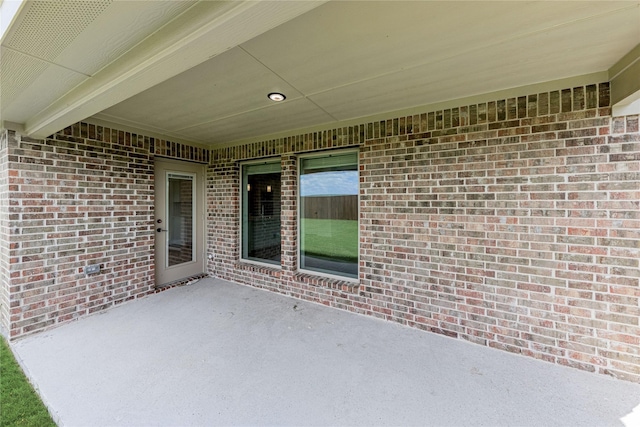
(199,71)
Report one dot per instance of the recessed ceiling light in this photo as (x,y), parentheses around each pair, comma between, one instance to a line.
(276,96)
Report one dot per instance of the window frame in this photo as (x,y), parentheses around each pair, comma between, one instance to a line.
(242,259)
(327,153)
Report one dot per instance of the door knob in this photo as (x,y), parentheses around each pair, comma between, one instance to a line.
(160,230)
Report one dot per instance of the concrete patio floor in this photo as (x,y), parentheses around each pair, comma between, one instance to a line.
(218,353)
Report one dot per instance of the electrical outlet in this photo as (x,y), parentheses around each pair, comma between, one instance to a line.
(92,269)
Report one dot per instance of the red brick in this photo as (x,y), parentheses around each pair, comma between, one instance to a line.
(511,223)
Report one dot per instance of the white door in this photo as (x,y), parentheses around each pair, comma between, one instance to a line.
(179,216)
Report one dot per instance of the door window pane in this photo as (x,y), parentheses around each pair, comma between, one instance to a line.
(180,219)
(329,214)
(261,212)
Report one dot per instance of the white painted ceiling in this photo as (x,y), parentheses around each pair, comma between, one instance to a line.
(200,71)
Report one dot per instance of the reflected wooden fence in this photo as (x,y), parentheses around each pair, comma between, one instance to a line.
(330,207)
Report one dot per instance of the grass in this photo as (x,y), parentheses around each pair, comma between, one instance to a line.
(19,403)
(330,238)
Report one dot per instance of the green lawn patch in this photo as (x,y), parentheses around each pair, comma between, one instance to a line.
(330,238)
(19,403)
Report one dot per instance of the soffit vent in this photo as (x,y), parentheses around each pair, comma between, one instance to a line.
(65,20)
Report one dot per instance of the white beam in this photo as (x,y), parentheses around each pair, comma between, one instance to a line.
(625,83)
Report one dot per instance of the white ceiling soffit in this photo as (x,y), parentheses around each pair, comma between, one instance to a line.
(200,71)
(54,46)
(65,60)
(348,60)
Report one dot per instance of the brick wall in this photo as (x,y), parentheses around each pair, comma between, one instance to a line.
(4,234)
(76,201)
(83,196)
(512,224)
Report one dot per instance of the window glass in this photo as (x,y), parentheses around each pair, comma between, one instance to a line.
(180,221)
(329,214)
(261,212)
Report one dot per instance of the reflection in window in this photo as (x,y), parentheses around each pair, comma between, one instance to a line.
(180,236)
(261,212)
(329,214)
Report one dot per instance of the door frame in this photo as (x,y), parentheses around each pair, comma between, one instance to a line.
(165,274)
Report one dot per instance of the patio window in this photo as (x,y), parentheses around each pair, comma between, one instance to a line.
(329,213)
(260,231)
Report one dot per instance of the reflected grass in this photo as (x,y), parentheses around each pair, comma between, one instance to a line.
(334,239)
